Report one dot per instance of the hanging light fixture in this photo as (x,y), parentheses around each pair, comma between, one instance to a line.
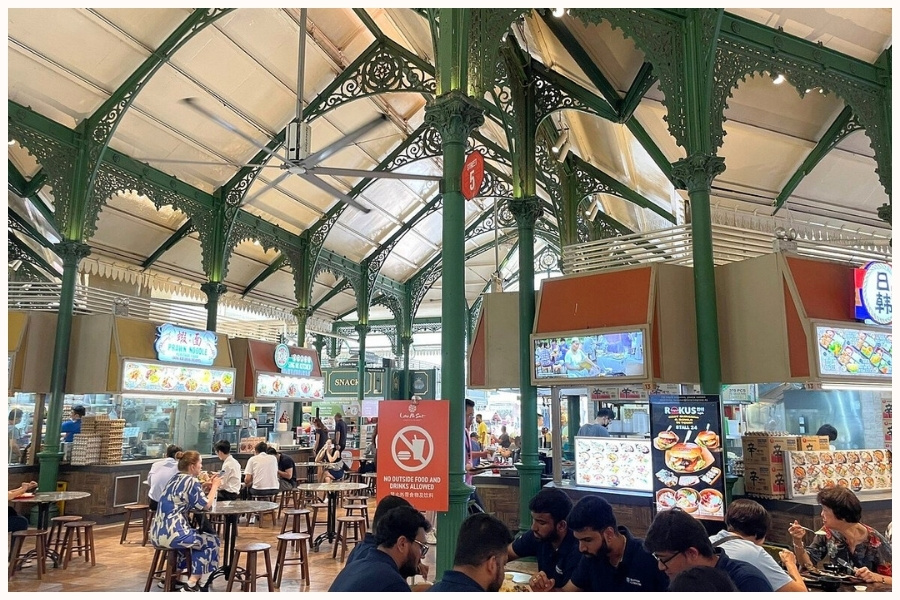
(559,12)
(563,151)
(779,79)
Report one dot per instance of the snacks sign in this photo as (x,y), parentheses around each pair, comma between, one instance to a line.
(687,454)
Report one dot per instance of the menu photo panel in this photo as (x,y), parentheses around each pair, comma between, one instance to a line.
(687,456)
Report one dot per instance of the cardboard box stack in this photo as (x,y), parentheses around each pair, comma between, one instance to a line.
(764,474)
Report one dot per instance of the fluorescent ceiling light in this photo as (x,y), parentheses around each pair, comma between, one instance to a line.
(858,386)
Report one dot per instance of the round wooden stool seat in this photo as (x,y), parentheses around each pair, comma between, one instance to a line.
(344,524)
(247,578)
(298,540)
(17,559)
(57,532)
(75,542)
(130,509)
(294,520)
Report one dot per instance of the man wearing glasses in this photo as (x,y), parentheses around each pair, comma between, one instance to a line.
(612,559)
(400,541)
(678,542)
(480,557)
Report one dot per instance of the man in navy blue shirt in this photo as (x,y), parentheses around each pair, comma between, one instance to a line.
(480,557)
(678,541)
(400,547)
(613,560)
(549,538)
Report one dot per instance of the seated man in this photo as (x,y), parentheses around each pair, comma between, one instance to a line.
(549,538)
(481,551)
(678,541)
(613,561)
(160,473)
(400,547)
(287,479)
(231,480)
(748,523)
(261,473)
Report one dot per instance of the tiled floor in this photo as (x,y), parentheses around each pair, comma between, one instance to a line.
(123,568)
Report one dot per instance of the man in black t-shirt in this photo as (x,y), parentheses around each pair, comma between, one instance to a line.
(287,473)
(612,559)
(340,432)
(549,538)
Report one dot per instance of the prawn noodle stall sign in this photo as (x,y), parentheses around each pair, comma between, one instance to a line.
(182,345)
(688,470)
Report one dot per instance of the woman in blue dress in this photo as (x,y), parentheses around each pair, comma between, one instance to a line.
(171,527)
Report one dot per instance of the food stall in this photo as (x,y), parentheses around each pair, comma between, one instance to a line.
(273,382)
(817,333)
(163,381)
(599,339)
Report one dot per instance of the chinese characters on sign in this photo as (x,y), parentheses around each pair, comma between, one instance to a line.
(414,458)
(179,344)
(873,293)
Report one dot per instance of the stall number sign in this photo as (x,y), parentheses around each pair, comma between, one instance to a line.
(292,364)
(873,293)
(182,345)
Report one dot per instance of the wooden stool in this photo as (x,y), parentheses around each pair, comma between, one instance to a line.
(144,510)
(293,539)
(358,505)
(55,538)
(344,524)
(218,521)
(294,516)
(247,579)
(164,567)
(17,559)
(259,515)
(73,541)
(289,499)
(352,477)
(318,507)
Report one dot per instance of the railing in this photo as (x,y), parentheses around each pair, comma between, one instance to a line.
(730,244)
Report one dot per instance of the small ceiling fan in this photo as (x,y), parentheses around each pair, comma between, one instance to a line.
(297,159)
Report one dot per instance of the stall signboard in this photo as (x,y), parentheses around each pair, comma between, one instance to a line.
(687,454)
(858,470)
(182,345)
(345,382)
(327,410)
(422,383)
(872,293)
(286,387)
(298,362)
(589,356)
(854,352)
(174,379)
(414,452)
(618,464)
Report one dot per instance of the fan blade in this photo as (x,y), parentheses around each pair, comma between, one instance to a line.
(271,184)
(338,172)
(317,157)
(335,192)
(206,162)
(192,104)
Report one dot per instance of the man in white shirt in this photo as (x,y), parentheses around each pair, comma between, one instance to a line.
(747,523)
(231,480)
(261,473)
(160,473)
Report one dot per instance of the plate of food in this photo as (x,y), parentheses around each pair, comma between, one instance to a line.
(687,499)
(516,582)
(711,502)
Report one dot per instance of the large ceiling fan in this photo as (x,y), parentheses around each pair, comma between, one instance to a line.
(297,159)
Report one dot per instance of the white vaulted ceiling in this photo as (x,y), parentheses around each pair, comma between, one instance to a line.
(64,63)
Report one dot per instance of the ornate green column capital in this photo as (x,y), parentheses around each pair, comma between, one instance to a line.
(302,312)
(526,211)
(406,340)
(696,172)
(362,329)
(454,115)
(213,290)
(71,252)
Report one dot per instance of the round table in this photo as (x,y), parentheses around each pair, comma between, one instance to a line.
(332,490)
(44,500)
(232,509)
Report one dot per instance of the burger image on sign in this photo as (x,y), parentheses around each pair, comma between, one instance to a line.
(688,457)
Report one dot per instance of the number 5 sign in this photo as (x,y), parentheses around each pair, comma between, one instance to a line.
(472,175)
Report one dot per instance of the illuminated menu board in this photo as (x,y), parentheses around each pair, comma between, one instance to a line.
(854,352)
(172,379)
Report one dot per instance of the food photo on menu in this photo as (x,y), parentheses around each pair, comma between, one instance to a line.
(687,455)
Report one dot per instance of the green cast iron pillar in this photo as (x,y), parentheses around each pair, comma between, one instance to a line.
(361,330)
(527,211)
(213,291)
(455,116)
(302,313)
(406,341)
(71,253)
(574,423)
(695,174)
(319,345)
